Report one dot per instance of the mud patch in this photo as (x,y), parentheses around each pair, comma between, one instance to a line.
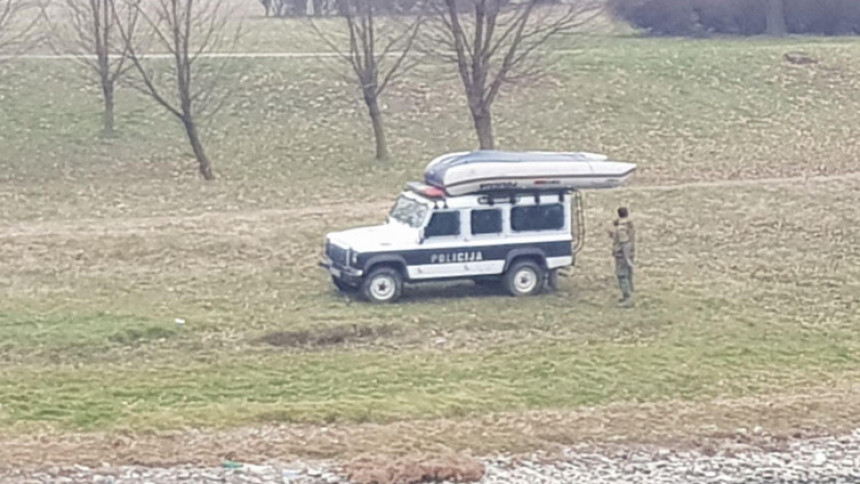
(138,336)
(324,337)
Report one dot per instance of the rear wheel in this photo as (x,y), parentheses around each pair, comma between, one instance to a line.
(524,278)
(382,285)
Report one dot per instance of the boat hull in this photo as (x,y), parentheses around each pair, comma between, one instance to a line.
(461,174)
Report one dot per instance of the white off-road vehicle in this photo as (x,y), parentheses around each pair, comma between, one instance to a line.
(486,216)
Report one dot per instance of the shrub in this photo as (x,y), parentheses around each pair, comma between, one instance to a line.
(737,17)
(827,17)
(659,17)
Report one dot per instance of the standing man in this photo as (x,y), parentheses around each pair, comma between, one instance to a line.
(623,237)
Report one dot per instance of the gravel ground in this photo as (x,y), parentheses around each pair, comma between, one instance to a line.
(821,460)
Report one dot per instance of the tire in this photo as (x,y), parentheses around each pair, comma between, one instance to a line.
(524,278)
(382,285)
(342,286)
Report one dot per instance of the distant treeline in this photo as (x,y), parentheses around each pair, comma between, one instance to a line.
(302,8)
(740,17)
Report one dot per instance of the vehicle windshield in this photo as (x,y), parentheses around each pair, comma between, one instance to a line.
(410,212)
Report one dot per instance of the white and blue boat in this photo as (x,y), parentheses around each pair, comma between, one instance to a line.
(492,171)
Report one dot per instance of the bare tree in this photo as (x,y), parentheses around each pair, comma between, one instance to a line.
(18,21)
(493,43)
(776,18)
(88,32)
(187,30)
(283,8)
(370,46)
(267,5)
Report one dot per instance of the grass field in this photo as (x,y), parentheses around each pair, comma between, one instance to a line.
(745,289)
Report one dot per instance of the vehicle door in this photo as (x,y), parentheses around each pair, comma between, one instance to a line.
(485,238)
(442,253)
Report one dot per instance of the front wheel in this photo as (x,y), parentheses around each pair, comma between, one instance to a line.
(383,285)
(524,278)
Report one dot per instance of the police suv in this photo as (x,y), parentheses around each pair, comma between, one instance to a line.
(486,216)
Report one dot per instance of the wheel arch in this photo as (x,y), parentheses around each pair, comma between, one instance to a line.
(395,261)
(535,254)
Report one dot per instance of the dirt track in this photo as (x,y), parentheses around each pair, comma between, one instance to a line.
(128,226)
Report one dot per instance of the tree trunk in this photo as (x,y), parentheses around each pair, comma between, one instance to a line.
(107,115)
(203,162)
(483,119)
(370,98)
(776,18)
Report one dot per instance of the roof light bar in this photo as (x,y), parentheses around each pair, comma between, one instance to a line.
(426,191)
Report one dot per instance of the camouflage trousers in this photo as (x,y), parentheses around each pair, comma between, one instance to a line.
(624,273)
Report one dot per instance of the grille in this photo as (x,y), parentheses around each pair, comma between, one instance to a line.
(338,255)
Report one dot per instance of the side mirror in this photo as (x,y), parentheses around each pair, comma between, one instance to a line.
(421,236)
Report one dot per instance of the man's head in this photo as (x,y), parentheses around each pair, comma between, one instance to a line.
(623,212)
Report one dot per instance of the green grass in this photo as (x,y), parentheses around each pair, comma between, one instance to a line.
(68,331)
(104,243)
(380,386)
(726,309)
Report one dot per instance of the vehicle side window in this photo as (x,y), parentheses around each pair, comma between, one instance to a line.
(486,221)
(443,224)
(537,217)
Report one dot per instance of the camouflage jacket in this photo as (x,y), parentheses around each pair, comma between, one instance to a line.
(624,239)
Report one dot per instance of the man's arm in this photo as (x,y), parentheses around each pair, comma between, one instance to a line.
(626,249)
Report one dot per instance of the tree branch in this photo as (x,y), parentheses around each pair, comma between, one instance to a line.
(502,44)
(399,67)
(16,38)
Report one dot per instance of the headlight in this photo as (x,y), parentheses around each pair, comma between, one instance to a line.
(353,258)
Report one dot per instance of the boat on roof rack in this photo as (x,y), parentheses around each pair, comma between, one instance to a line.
(492,171)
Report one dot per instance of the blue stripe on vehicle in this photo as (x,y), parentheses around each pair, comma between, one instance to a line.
(452,255)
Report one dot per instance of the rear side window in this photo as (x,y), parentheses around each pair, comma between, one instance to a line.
(443,224)
(486,222)
(537,217)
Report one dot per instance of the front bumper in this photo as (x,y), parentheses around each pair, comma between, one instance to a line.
(349,275)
